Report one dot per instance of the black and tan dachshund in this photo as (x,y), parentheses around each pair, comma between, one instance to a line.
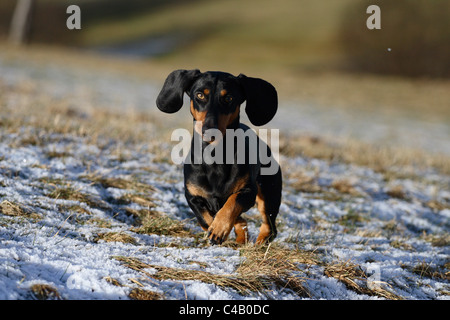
(219,193)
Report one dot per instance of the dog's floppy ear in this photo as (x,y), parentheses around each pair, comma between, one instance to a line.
(170,99)
(262,99)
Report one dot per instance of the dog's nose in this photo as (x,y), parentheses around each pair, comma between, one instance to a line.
(209,123)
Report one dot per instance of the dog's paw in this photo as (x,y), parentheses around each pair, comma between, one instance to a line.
(219,230)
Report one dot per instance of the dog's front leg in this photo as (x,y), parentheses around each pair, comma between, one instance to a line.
(228,215)
(224,220)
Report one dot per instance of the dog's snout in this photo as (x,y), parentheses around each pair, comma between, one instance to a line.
(209,123)
(209,129)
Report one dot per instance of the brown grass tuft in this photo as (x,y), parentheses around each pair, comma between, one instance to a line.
(67,192)
(276,264)
(397,192)
(140,193)
(344,186)
(424,269)
(120,183)
(262,268)
(11,209)
(141,294)
(115,237)
(154,222)
(243,286)
(304,183)
(44,292)
(437,205)
(355,279)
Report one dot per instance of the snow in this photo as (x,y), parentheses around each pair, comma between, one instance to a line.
(58,247)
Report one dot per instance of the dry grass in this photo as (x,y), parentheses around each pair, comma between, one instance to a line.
(163,225)
(424,269)
(276,264)
(37,117)
(355,279)
(244,286)
(304,183)
(119,183)
(345,186)
(155,222)
(442,240)
(338,190)
(14,210)
(11,209)
(352,219)
(397,192)
(44,292)
(437,206)
(261,270)
(140,193)
(113,281)
(137,293)
(141,294)
(144,201)
(387,160)
(115,237)
(67,192)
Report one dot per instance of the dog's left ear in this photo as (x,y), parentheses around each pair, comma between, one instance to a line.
(170,99)
(262,99)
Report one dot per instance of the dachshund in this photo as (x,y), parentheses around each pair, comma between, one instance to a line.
(218,193)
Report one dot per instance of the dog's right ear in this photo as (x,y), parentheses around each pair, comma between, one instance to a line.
(170,99)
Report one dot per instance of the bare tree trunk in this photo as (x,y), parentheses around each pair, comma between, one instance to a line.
(21,21)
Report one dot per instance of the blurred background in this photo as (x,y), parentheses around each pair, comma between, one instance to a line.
(297,35)
(317,52)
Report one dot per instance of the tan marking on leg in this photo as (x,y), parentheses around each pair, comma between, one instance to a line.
(264,234)
(196,190)
(239,184)
(225,219)
(241,230)
(265,229)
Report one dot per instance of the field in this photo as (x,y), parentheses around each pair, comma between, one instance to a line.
(91,206)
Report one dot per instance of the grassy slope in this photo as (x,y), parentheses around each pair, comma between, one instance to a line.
(128,131)
(262,268)
(398,97)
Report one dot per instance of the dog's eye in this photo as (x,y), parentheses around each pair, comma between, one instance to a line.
(228,99)
(200,96)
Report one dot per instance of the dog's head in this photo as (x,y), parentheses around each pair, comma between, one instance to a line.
(216,98)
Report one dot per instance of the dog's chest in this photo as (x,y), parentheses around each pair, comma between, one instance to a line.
(219,183)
